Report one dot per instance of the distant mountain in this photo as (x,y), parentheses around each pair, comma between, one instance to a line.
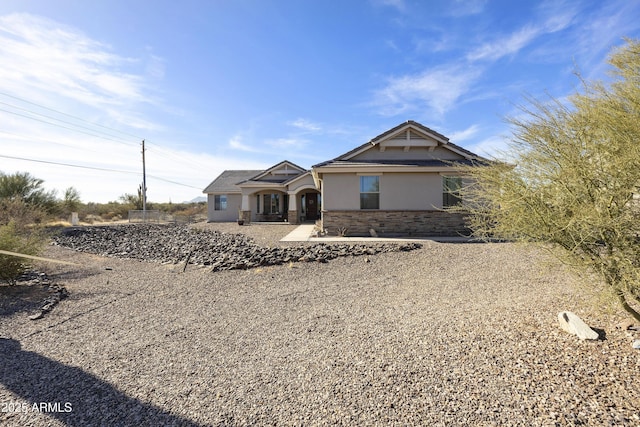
(197,200)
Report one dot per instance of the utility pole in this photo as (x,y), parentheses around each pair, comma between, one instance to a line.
(144,185)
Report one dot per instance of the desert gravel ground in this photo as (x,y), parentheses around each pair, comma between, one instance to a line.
(447,335)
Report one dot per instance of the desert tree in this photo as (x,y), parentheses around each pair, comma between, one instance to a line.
(134,200)
(24,186)
(71,201)
(570,178)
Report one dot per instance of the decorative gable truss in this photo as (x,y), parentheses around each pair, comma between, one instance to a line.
(281,172)
(425,144)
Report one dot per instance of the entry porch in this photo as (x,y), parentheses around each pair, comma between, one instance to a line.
(272,205)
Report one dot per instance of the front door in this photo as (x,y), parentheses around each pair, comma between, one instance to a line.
(311,206)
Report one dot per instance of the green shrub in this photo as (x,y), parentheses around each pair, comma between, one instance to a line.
(21,213)
(12,240)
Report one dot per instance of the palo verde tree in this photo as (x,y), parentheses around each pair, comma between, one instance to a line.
(23,186)
(573,179)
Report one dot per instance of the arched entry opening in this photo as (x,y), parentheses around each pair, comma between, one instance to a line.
(311,204)
(305,204)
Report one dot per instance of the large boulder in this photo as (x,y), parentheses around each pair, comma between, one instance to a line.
(574,325)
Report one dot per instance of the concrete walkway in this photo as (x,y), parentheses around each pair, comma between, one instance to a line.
(303,232)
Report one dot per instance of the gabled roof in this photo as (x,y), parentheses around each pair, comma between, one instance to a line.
(410,123)
(230,181)
(408,126)
(227,181)
(285,163)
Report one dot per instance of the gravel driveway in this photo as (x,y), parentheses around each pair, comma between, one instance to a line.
(449,334)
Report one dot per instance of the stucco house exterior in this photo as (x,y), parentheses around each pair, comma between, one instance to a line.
(283,192)
(396,184)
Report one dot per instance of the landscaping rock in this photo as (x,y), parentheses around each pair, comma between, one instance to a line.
(56,292)
(574,325)
(177,243)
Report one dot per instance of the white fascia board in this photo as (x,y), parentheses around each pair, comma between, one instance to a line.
(384,169)
(262,185)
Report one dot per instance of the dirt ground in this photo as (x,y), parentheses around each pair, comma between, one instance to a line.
(450,334)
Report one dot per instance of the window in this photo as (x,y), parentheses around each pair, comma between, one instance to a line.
(220,202)
(271,203)
(369,192)
(451,190)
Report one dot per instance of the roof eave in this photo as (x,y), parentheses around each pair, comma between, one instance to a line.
(384,168)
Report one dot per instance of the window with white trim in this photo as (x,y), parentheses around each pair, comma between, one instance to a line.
(451,190)
(220,202)
(369,192)
(271,203)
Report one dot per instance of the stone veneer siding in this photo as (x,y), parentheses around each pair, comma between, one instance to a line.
(385,222)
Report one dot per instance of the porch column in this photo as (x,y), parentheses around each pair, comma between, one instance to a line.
(245,209)
(293,207)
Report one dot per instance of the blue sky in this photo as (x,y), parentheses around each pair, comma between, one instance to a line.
(239,84)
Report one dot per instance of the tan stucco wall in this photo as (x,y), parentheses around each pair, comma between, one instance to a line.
(340,191)
(230,214)
(306,181)
(406,191)
(410,191)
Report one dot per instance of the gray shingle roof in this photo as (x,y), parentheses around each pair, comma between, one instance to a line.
(227,180)
(341,159)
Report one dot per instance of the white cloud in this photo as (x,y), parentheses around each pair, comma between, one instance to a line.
(594,37)
(557,14)
(553,17)
(398,4)
(237,144)
(437,90)
(305,125)
(44,56)
(459,8)
(506,46)
(465,134)
(70,100)
(491,147)
(287,143)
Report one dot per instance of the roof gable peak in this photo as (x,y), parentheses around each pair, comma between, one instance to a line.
(283,168)
(408,127)
(406,135)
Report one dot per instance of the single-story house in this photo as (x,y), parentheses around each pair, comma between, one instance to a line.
(396,184)
(283,192)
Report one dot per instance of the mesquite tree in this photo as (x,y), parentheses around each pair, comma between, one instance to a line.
(572,179)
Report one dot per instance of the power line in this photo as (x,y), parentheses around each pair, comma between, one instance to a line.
(94,132)
(164,152)
(58,125)
(59,120)
(99,169)
(69,165)
(69,115)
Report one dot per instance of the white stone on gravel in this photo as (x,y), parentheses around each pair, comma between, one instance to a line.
(576,326)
